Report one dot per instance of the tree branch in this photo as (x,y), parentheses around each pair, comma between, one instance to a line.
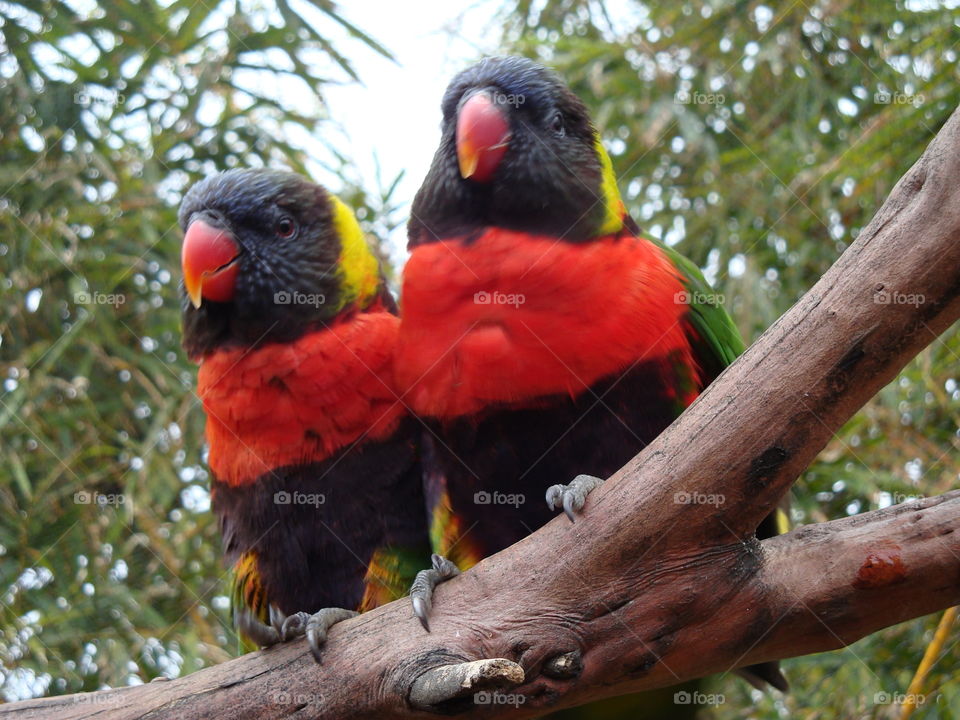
(871,570)
(661,579)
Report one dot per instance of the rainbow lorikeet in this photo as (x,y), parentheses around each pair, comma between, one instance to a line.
(543,336)
(316,476)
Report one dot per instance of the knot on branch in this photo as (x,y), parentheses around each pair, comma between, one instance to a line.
(446,683)
(564,667)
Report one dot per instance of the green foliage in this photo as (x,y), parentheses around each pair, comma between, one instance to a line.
(759,139)
(108,111)
(109,558)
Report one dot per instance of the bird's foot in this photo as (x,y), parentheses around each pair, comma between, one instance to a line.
(317,625)
(284,628)
(421,592)
(288,627)
(570,498)
(252,627)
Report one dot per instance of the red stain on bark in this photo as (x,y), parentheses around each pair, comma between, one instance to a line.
(882,567)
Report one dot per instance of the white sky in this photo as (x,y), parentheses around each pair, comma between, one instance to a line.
(395,116)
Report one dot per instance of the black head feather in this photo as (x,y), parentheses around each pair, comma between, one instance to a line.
(550,179)
(288,281)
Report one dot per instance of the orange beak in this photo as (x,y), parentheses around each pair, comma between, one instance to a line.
(209,261)
(483,135)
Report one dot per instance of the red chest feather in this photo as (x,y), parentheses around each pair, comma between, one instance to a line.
(290,403)
(508,317)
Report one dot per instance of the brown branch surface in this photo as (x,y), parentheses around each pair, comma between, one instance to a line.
(645,590)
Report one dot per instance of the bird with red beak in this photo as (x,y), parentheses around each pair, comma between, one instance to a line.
(313,459)
(544,339)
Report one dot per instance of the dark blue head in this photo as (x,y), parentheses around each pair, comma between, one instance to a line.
(518,150)
(267,256)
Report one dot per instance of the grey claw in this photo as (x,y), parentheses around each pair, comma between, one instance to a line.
(259,632)
(288,627)
(449,682)
(421,608)
(421,592)
(294,626)
(554,493)
(276,617)
(444,567)
(570,498)
(318,624)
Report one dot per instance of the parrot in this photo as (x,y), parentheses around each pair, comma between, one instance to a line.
(315,468)
(542,335)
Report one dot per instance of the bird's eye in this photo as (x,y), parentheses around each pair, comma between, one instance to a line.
(556,124)
(286,228)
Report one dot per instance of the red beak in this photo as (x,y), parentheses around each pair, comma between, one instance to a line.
(209,262)
(483,134)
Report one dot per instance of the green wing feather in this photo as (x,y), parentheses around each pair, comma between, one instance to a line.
(715,339)
(716,344)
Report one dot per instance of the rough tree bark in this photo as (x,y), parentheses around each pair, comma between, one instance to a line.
(644,590)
